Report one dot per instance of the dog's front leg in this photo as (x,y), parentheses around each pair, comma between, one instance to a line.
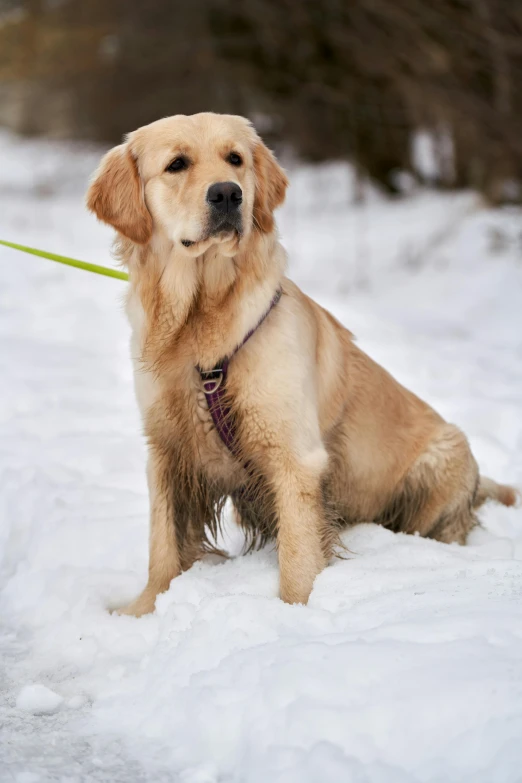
(301,533)
(164,558)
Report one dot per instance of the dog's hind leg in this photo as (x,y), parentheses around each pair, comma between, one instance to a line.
(455,523)
(435,498)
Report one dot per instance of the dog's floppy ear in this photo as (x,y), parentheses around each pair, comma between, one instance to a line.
(271,185)
(116,195)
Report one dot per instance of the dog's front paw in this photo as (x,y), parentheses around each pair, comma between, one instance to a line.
(144,604)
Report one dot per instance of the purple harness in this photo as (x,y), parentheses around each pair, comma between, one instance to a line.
(214,387)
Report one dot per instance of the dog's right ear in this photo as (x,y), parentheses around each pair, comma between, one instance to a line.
(116,195)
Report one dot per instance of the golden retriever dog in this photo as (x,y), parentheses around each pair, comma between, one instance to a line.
(320,436)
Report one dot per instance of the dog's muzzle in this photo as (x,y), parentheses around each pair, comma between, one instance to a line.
(224,200)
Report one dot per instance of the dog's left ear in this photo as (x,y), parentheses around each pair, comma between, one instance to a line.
(116,195)
(271,185)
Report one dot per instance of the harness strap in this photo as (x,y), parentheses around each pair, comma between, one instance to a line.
(214,387)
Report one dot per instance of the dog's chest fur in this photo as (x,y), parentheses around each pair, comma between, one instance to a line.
(174,408)
(204,473)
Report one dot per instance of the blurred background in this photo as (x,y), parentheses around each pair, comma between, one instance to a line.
(326,79)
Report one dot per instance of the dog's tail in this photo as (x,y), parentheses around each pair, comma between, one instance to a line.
(502,493)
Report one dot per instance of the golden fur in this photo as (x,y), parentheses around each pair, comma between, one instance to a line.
(325,437)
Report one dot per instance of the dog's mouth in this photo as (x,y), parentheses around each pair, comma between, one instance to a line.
(220,231)
(226,225)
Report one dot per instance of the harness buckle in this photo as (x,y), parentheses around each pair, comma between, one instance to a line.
(212,380)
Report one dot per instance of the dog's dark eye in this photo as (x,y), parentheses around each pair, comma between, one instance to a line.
(177,165)
(235,159)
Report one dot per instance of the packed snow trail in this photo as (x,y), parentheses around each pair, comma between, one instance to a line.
(406,665)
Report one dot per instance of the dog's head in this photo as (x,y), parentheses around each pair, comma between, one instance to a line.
(199,180)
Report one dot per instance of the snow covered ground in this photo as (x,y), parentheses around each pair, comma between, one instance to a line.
(406,665)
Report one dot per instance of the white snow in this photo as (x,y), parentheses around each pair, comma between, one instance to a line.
(38,699)
(406,665)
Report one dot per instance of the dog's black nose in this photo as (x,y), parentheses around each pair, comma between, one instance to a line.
(224,196)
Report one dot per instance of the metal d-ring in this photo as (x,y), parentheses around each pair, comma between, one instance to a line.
(215,382)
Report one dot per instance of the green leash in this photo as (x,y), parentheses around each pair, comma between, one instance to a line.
(98,270)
